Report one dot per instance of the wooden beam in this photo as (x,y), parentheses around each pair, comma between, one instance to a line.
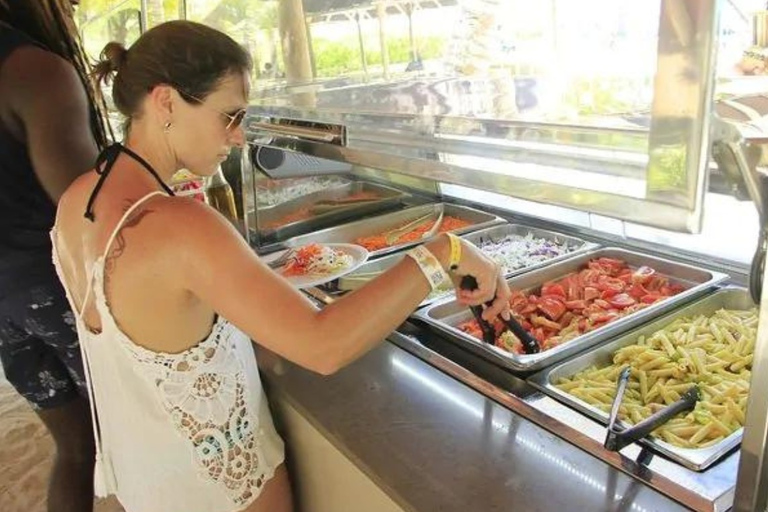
(293,41)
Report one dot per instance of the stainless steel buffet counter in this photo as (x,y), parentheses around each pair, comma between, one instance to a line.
(434,444)
(439,426)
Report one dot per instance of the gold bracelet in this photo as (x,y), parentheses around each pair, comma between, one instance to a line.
(455,252)
(429,266)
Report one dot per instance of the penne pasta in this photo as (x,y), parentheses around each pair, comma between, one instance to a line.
(714,352)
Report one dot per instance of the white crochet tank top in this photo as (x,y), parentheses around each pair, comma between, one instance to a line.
(182,432)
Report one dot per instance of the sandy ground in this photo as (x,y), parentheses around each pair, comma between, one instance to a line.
(26,452)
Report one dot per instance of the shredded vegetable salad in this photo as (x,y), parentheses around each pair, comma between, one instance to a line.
(316,260)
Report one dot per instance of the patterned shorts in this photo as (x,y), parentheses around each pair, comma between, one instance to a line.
(39,348)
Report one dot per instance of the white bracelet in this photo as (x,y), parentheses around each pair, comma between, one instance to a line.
(429,266)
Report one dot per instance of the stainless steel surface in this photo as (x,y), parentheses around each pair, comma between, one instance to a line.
(707,491)
(306,130)
(447,162)
(390,197)
(682,105)
(348,233)
(434,444)
(447,314)
(497,233)
(752,483)
(695,459)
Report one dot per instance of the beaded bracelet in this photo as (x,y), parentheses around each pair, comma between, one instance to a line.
(429,266)
(455,252)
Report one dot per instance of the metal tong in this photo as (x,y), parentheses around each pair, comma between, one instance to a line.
(530,344)
(618,436)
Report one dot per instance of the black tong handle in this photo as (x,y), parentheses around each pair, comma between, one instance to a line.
(530,344)
(618,437)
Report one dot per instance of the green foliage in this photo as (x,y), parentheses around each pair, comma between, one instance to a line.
(340,57)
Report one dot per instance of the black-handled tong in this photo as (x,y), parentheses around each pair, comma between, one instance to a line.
(530,344)
(618,437)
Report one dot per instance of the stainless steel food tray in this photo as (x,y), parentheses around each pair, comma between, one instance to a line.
(349,282)
(445,315)
(390,198)
(348,233)
(290,183)
(499,232)
(695,459)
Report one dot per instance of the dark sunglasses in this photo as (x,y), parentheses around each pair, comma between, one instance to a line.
(235,119)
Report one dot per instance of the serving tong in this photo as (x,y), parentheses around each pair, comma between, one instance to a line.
(329,205)
(530,344)
(393,235)
(619,436)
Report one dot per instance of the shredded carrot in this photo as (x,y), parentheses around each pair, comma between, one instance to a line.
(377,242)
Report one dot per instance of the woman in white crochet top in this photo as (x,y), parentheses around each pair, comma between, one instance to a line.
(168,295)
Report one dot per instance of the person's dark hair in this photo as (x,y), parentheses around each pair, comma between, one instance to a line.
(49,24)
(189,56)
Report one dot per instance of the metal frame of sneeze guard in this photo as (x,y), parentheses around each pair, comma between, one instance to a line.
(752,481)
(432,146)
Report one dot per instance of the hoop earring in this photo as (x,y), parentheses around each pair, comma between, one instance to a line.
(167,127)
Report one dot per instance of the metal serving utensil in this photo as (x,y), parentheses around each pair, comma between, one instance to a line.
(281,260)
(618,436)
(530,344)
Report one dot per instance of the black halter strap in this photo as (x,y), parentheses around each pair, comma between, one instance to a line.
(110,156)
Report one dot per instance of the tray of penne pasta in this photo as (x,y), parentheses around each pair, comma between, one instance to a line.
(708,343)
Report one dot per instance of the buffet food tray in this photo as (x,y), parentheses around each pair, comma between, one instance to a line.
(695,459)
(348,233)
(371,268)
(445,315)
(497,233)
(267,217)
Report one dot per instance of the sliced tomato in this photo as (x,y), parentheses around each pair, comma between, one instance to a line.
(588,277)
(637,291)
(625,276)
(610,283)
(591,293)
(602,318)
(539,334)
(650,298)
(608,293)
(655,283)
(602,304)
(621,301)
(572,287)
(552,307)
(553,289)
(576,304)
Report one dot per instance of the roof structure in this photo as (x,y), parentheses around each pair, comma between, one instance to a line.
(348,10)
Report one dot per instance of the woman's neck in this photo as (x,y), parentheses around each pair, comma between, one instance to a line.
(155,149)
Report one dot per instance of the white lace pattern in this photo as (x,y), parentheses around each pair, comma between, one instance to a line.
(205,392)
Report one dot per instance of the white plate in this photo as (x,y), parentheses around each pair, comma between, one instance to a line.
(359,256)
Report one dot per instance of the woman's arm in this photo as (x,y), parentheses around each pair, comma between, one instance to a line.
(223,271)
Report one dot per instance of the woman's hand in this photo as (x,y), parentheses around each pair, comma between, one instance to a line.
(491,285)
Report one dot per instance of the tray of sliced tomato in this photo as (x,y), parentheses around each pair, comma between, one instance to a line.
(575,304)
